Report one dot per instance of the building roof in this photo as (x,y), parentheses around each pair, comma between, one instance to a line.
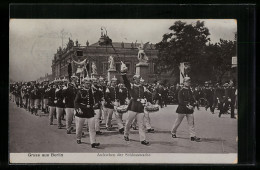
(126,45)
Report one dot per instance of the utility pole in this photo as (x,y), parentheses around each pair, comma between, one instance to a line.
(63,35)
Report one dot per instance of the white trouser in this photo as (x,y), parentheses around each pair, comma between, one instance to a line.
(45,103)
(140,120)
(119,119)
(51,114)
(59,115)
(36,103)
(147,120)
(69,117)
(97,116)
(190,119)
(91,124)
(108,116)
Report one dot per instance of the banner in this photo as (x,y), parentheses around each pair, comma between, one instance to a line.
(184,70)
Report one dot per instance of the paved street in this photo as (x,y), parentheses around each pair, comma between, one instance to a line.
(30,133)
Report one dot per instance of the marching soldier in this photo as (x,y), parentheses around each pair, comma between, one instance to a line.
(32,97)
(37,98)
(135,108)
(97,92)
(26,95)
(148,97)
(219,98)
(136,105)
(69,94)
(209,96)
(45,97)
(230,98)
(112,101)
(59,103)
(103,87)
(23,90)
(84,103)
(185,108)
(51,101)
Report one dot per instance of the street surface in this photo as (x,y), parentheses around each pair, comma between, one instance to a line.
(30,133)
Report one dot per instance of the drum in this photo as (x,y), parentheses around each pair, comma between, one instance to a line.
(122,109)
(152,108)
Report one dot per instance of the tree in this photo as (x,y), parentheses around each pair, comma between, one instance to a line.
(185,43)
(221,55)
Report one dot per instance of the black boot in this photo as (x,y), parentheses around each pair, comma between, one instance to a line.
(196,139)
(145,142)
(94,145)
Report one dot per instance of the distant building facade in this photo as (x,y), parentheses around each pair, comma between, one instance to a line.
(126,52)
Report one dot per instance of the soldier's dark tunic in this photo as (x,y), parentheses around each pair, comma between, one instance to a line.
(123,95)
(219,98)
(69,95)
(185,97)
(51,96)
(84,98)
(230,94)
(59,98)
(98,94)
(137,93)
(209,95)
(111,96)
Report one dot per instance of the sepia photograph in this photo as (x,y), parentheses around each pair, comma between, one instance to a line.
(123,91)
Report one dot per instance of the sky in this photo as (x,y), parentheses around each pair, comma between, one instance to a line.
(33,42)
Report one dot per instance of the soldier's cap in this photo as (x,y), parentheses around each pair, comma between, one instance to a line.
(186,79)
(226,84)
(65,80)
(70,84)
(94,79)
(101,78)
(74,77)
(86,80)
(114,78)
(136,77)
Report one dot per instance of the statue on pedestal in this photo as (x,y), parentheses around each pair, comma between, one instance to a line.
(111,63)
(94,68)
(141,54)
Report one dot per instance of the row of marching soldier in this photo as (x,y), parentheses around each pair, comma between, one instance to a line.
(94,99)
(89,101)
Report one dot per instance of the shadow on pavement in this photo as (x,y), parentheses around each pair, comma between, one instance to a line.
(211,140)
(103,146)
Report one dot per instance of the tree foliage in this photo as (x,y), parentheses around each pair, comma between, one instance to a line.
(191,43)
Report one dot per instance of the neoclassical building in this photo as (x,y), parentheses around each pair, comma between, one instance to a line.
(126,52)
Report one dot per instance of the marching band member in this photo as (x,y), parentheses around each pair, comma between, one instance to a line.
(26,95)
(84,103)
(209,96)
(136,105)
(147,119)
(37,95)
(103,87)
(59,103)
(185,108)
(97,92)
(32,97)
(69,94)
(45,97)
(112,102)
(51,100)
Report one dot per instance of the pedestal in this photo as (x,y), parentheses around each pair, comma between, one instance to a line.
(94,75)
(111,74)
(142,69)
